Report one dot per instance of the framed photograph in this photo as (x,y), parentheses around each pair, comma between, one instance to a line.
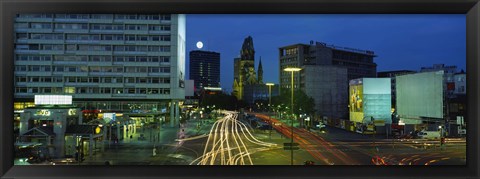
(227,89)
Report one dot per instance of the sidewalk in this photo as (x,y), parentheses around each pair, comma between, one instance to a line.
(134,151)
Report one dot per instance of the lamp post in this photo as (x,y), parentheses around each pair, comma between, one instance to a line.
(269,105)
(292,70)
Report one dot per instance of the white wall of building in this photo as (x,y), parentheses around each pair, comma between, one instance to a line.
(420,95)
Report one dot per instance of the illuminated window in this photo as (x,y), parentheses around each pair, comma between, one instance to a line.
(69,90)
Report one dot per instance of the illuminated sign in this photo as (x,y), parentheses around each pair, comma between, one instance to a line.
(108,117)
(212,88)
(53,99)
(43,112)
(72,112)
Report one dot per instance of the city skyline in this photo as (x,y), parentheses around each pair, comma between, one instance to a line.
(391,37)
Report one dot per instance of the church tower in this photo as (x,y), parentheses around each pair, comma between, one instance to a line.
(260,72)
(244,69)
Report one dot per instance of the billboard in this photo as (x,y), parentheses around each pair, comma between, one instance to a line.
(370,98)
(356,100)
(420,95)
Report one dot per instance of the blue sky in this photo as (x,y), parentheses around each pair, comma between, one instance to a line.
(400,41)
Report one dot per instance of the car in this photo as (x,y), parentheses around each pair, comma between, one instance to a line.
(309,162)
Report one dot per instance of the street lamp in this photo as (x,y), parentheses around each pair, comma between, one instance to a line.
(269,92)
(269,104)
(292,70)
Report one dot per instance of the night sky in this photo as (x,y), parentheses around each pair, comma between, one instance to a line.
(401,42)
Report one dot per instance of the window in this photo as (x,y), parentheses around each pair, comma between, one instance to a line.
(118,37)
(59,68)
(118,59)
(120,16)
(131,27)
(22,25)
(22,36)
(130,37)
(107,80)
(71,69)
(21,68)
(106,90)
(34,79)
(166,17)
(102,16)
(142,80)
(129,69)
(57,79)
(131,90)
(130,48)
(34,68)
(154,70)
(94,69)
(21,79)
(129,80)
(95,37)
(142,69)
(142,38)
(69,90)
(107,37)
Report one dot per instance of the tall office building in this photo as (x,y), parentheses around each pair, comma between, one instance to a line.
(326,72)
(125,63)
(205,69)
(359,63)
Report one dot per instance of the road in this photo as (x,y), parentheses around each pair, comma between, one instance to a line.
(340,147)
(230,143)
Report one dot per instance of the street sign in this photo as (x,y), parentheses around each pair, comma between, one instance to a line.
(290,144)
(290,148)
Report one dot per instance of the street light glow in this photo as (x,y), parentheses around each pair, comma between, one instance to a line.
(269,84)
(292,69)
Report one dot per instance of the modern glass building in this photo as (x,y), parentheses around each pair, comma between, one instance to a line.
(205,69)
(125,63)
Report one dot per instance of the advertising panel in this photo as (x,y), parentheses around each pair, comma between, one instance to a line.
(356,100)
(420,95)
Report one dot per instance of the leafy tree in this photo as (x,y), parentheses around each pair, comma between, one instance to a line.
(302,103)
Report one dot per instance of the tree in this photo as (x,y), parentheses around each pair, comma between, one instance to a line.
(302,103)
(220,101)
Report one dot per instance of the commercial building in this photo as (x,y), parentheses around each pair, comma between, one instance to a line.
(430,99)
(354,62)
(438,67)
(420,97)
(392,75)
(205,69)
(370,102)
(133,64)
(359,63)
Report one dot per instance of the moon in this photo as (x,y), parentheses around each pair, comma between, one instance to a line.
(199,44)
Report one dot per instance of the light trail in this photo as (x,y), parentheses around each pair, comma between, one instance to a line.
(228,143)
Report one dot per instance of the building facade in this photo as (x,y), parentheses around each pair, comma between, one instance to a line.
(205,69)
(326,85)
(112,62)
(437,67)
(359,63)
(355,63)
(392,75)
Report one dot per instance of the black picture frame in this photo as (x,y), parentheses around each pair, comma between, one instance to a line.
(9,8)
